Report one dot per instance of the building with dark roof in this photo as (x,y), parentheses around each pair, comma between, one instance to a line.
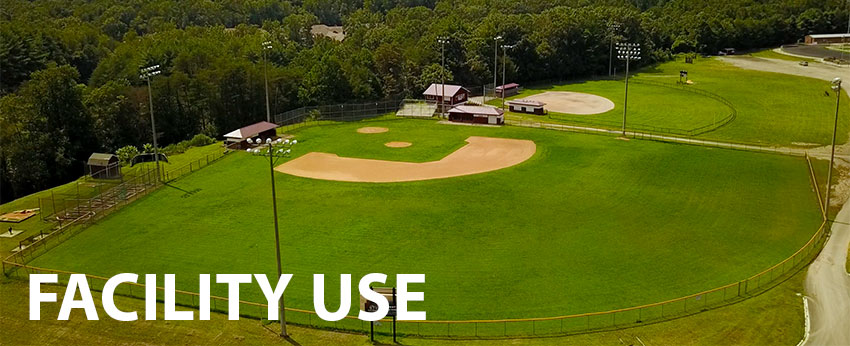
(477,115)
(237,139)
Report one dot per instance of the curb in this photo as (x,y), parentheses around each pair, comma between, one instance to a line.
(808,326)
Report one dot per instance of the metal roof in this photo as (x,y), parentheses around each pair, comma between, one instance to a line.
(101,159)
(507,86)
(830,36)
(477,110)
(534,103)
(251,130)
(437,90)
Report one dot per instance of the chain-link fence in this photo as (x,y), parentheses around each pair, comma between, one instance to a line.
(558,325)
(316,115)
(88,193)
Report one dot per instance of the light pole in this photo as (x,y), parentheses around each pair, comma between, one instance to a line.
(505,48)
(276,149)
(443,41)
(627,52)
(836,86)
(146,74)
(267,45)
(612,27)
(495,64)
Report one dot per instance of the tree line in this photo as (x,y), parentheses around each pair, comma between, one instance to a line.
(69,70)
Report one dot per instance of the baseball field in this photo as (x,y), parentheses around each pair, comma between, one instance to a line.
(587,223)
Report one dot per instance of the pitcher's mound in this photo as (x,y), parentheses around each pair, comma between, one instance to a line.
(398,144)
(372,129)
(573,103)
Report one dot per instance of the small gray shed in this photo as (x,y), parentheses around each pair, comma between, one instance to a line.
(104,166)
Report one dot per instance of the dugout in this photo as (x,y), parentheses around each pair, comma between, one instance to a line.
(104,166)
(477,115)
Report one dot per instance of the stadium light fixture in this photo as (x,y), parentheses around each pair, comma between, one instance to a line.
(267,45)
(146,74)
(442,40)
(627,52)
(277,149)
(836,87)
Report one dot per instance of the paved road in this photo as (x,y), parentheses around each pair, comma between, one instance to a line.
(814,51)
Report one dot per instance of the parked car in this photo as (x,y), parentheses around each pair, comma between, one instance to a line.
(727,51)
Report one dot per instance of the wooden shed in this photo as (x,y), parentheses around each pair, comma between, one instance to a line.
(104,166)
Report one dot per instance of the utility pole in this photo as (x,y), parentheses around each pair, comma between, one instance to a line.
(836,86)
(505,48)
(146,74)
(611,28)
(267,45)
(627,52)
(495,64)
(443,41)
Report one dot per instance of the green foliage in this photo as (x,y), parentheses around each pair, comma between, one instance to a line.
(126,154)
(147,148)
(213,70)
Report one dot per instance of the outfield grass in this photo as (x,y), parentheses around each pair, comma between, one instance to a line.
(589,223)
(773,109)
(772,318)
(769,53)
(85,187)
(649,105)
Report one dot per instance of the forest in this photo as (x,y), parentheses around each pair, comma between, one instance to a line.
(70,83)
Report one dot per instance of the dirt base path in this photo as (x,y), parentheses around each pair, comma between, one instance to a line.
(482,154)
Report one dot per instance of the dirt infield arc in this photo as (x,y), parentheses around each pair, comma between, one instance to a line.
(481,154)
(569,102)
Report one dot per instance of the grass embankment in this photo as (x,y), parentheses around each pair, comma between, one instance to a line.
(773,108)
(84,187)
(769,53)
(589,223)
(772,318)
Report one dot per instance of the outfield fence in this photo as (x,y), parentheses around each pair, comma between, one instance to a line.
(549,326)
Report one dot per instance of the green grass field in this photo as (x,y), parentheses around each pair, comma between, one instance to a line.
(773,109)
(86,187)
(589,223)
(649,105)
(770,54)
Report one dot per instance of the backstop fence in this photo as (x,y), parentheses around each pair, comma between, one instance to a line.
(316,115)
(15,266)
